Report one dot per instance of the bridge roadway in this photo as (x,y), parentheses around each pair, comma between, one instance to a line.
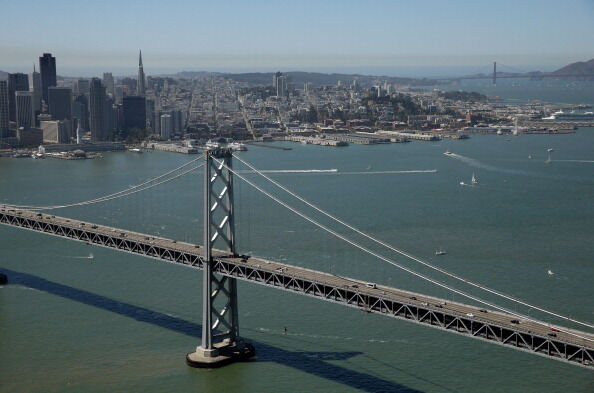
(471,321)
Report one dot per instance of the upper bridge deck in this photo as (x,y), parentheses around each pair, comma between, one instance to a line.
(555,342)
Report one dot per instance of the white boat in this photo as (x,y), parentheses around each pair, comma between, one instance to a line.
(91,256)
(447,153)
(550,273)
(474,181)
(440,252)
(212,145)
(135,150)
(529,156)
(237,146)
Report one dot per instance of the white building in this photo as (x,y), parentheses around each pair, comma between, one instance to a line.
(166,126)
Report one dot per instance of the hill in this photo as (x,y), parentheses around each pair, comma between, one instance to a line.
(577,69)
(319,79)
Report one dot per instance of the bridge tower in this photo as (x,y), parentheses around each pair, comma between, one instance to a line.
(221,343)
(494,73)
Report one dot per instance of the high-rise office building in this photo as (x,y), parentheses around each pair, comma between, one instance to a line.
(140,87)
(166,125)
(25,114)
(35,87)
(150,113)
(281,86)
(275,77)
(80,111)
(83,86)
(47,67)
(16,82)
(3,109)
(60,103)
(98,111)
(134,114)
(109,83)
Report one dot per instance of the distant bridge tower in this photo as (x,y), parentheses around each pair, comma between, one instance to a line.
(219,293)
(494,73)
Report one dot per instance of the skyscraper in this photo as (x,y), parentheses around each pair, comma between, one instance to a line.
(109,83)
(134,113)
(35,87)
(166,125)
(3,109)
(47,66)
(82,85)
(24,109)
(60,103)
(60,106)
(140,86)
(80,111)
(16,82)
(98,111)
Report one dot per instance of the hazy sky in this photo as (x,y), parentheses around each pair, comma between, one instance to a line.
(88,37)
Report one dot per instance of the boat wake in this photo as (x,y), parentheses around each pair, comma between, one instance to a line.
(336,172)
(478,164)
(587,161)
(295,171)
(388,172)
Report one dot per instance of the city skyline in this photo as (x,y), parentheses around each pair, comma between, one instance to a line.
(391,38)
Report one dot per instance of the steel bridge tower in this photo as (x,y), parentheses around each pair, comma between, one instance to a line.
(221,343)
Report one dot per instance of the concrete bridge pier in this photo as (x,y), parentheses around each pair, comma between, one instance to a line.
(221,343)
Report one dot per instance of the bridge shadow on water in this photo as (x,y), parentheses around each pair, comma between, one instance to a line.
(315,363)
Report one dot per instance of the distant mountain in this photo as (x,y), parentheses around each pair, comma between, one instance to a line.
(320,79)
(578,69)
(195,74)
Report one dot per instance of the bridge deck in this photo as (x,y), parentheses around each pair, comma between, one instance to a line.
(555,342)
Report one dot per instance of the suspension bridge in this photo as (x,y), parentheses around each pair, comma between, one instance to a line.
(223,265)
(502,71)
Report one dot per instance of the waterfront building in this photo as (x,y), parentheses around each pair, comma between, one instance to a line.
(54,131)
(29,136)
(16,82)
(140,89)
(134,115)
(47,67)
(3,109)
(166,126)
(98,111)
(25,113)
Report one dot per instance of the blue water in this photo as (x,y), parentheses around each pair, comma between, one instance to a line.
(124,323)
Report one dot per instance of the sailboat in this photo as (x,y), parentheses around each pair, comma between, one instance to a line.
(549,151)
(440,252)
(473,181)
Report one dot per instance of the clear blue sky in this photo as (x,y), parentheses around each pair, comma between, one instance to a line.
(103,35)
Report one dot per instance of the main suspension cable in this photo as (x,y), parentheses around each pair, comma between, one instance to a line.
(412,257)
(129,191)
(394,263)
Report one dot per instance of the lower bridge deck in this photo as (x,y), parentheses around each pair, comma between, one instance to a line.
(555,342)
